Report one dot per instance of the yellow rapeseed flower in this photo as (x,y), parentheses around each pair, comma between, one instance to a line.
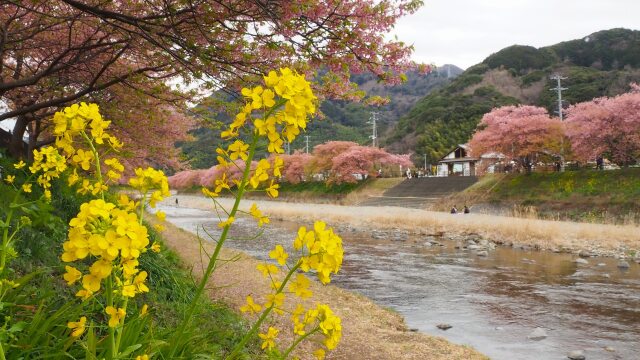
(300,286)
(275,300)
(26,188)
(319,354)
(279,255)
(72,275)
(227,222)
(115,315)
(251,307)
(78,327)
(267,269)
(10,179)
(269,338)
(20,165)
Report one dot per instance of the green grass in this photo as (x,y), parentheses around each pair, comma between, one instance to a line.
(319,187)
(35,315)
(583,194)
(614,185)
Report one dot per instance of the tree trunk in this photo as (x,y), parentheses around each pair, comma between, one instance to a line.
(17,147)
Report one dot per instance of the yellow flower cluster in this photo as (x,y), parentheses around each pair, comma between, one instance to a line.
(50,164)
(81,125)
(151,179)
(321,317)
(294,92)
(74,121)
(283,105)
(115,238)
(323,249)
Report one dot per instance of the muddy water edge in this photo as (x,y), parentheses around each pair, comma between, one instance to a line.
(492,297)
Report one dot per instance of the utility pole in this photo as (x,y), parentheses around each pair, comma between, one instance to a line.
(372,121)
(287,147)
(306,138)
(559,89)
(425,163)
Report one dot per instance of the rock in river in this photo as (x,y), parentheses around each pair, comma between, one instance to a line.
(576,355)
(581,261)
(538,334)
(444,326)
(623,264)
(483,253)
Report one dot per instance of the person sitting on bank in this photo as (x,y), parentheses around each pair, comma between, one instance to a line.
(454,210)
(466,209)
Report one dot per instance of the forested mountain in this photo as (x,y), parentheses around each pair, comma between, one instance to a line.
(601,64)
(343,120)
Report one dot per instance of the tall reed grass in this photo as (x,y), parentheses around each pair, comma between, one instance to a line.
(530,231)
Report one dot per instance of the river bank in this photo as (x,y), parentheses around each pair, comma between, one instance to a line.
(369,331)
(581,239)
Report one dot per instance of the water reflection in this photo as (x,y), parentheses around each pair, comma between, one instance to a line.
(493,302)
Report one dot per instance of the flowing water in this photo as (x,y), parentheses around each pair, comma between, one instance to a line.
(492,303)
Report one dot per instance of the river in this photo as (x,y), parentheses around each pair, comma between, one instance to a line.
(493,303)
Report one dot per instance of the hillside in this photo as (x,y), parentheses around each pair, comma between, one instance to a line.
(601,64)
(343,120)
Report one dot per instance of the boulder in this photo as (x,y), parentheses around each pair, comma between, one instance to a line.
(580,261)
(623,265)
(444,326)
(538,334)
(576,355)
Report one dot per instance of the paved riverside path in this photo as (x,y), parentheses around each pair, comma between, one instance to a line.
(420,192)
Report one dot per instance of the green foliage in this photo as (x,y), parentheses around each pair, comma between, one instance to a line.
(604,50)
(521,58)
(320,187)
(462,82)
(443,121)
(35,314)
(533,77)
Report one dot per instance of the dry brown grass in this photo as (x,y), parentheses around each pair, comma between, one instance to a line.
(369,332)
(541,233)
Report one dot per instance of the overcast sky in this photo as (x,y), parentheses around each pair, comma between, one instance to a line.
(465,32)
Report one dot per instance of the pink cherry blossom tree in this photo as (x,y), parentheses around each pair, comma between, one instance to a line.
(607,126)
(519,132)
(296,167)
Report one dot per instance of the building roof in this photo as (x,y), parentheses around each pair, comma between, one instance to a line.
(458,160)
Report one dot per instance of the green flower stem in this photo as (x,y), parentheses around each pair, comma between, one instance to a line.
(109,292)
(121,328)
(96,156)
(2,357)
(298,341)
(213,259)
(236,350)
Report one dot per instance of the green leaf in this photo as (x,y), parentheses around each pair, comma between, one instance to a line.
(17,327)
(125,353)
